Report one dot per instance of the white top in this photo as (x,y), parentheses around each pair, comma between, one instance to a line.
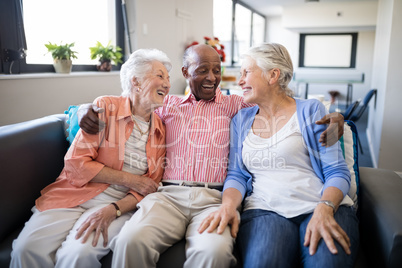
(283,178)
(135,158)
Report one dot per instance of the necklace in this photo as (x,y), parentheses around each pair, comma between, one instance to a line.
(138,127)
(273,115)
(277,106)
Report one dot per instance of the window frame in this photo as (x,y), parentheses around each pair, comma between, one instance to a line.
(302,49)
(20,66)
(233,41)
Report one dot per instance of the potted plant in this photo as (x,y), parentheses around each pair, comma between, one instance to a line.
(62,56)
(106,54)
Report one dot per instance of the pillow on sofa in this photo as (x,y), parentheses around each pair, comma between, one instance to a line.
(72,122)
(349,145)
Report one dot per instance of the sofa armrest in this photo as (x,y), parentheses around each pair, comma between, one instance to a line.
(31,157)
(381,216)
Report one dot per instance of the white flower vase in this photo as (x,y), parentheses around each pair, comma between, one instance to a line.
(62,66)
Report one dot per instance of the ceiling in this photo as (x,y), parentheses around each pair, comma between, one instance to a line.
(274,7)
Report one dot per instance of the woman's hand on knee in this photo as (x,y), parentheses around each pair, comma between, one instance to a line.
(221,218)
(323,225)
(99,223)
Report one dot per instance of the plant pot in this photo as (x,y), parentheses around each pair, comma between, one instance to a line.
(62,66)
(104,66)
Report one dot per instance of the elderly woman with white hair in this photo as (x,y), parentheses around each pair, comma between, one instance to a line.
(105,174)
(297,198)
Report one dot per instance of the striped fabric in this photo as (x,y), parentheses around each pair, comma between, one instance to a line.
(349,145)
(135,158)
(197,136)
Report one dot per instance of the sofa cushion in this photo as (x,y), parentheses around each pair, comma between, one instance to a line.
(381,217)
(349,145)
(72,122)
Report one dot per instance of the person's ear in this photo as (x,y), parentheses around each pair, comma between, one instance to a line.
(136,84)
(274,76)
(184,71)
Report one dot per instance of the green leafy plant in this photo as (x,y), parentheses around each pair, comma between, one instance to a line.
(106,53)
(61,52)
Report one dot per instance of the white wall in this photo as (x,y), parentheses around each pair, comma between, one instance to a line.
(322,17)
(331,16)
(170,25)
(32,96)
(385,120)
(27,97)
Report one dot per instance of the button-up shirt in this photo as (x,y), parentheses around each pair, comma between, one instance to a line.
(197,136)
(88,154)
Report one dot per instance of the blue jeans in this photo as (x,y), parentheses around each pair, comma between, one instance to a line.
(266,239)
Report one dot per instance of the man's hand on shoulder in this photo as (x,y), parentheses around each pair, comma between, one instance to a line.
(334,131)
(88,118)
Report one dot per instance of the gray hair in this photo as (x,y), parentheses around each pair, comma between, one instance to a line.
(189,57)
(138,65)
(271,55)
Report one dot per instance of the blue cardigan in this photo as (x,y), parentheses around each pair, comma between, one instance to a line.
(327,162)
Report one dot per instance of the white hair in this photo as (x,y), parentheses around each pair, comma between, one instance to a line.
(138,65)
(271,55)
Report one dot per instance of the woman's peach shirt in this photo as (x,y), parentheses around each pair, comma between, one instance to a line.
(88,154)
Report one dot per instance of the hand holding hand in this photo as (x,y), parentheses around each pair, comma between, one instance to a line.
(220,219)
(323,225)
(334,131)
(97,222)
(88,118)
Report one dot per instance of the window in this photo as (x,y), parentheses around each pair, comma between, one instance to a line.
(95,20)
(222,13)
(242,31)
(258,29)
(247,29)
(333,50)
(63,21)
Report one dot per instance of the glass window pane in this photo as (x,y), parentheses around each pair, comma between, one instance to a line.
(223,26)
(67,21)
(243,31)
(258,29)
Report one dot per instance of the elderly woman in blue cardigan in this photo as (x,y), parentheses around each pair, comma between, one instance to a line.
(296,204)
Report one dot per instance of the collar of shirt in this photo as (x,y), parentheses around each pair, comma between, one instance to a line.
(217,99)
(124,113)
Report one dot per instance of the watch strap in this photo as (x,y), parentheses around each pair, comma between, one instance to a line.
(118,212)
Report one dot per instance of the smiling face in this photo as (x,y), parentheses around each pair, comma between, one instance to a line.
(154,86)
(204,73)
(253,82)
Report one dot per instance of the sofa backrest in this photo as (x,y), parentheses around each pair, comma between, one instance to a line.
(31,157)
